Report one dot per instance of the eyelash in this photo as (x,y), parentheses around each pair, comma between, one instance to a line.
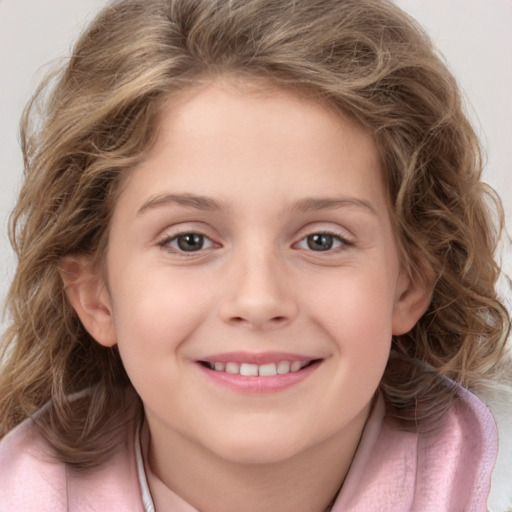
(340,242)
(166,243)
(343,242)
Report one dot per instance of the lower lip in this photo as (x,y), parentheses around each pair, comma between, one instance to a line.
(259,385)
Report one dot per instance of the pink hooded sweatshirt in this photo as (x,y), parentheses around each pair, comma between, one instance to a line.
(393,471)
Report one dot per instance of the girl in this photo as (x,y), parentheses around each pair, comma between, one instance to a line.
(255,269)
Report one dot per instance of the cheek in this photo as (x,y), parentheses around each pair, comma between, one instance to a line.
(355,311)
(158,311)
(356,304)
(153,319)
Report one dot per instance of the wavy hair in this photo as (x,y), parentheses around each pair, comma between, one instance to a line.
(93,121)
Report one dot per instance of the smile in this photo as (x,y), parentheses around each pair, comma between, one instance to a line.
(258,370)
(263,373)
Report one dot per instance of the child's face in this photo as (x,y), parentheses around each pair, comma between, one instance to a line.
(256,232)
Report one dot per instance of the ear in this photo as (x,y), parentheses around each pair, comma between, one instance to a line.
(413,296)
(88,294)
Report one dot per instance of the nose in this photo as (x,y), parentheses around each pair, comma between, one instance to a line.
(259,293)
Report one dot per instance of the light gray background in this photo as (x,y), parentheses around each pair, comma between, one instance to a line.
(474,35)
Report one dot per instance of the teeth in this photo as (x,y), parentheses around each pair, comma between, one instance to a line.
(263,370)
(283,367)
(249,370)
(266,370)
(295,366)
(232,368)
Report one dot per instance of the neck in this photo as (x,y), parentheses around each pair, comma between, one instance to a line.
(309,480)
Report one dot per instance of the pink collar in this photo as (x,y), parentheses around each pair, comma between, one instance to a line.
(445,471)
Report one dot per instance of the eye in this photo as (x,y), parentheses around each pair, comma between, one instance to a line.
(322,242)
(187,242)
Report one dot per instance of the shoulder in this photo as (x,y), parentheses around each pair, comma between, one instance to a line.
(29,479)
(446,470)
(497,395)
(458,459)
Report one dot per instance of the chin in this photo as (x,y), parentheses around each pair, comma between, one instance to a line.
(259,450)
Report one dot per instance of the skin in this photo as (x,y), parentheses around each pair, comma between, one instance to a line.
(258,285)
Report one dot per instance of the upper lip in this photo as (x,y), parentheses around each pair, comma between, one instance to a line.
(258,358)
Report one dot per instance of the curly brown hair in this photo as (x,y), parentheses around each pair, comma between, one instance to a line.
(364,57)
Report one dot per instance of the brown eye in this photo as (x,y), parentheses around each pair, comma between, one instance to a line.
(323,242)
(320,242)
(189,242)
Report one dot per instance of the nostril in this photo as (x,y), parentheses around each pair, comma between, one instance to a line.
(238,320)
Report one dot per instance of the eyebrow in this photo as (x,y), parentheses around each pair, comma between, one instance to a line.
(312,204)
(309,204)
(187,200)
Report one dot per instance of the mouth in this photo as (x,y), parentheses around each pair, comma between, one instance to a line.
(258,373)
(258,370)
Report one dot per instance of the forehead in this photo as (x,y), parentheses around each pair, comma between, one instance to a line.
(223,136)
